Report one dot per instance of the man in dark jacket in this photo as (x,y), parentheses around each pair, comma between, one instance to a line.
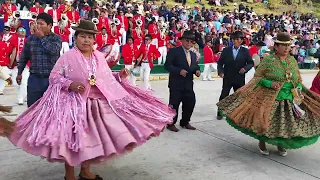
(182,65)
(234,62)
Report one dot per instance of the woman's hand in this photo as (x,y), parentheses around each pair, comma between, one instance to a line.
(77,87)
(275,85)
(124,73)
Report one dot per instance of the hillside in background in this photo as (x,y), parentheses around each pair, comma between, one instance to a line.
(275,6)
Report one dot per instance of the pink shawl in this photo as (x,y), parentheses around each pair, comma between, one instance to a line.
(61,110)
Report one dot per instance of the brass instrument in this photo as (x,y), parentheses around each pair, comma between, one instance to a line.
(185,26)
(16,14)
(63,22)
(34,16)
(95,21)
(66,9)
(139,22)
(116,21)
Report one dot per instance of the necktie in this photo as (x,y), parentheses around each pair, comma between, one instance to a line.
(188,57)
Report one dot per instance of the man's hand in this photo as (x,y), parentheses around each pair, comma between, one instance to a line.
(198,73)
(242,71)
(77,87)
(124,73)
(221,75)
(38,32)
(183,73)
(275,85)
(9,80)
(18,79)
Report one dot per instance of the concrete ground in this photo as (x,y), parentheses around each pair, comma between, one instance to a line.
(215,151)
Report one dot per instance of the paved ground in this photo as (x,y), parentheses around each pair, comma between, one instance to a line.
(215,151)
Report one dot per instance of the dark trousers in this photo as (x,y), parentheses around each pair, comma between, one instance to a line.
(36,87)
(24,3)
(188,99)
(227,85)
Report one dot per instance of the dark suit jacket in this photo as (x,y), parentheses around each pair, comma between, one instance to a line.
(231,67)
(176,61)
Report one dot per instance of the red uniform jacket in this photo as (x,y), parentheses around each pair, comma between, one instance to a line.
(153,30)
(135,18)
(151,54)
(178,42)
(123,22)
(138,39)
(163,41)
(16,45)
(10,42)
(62,7)
(253,50)
(63,34)
(4,55)
(114,37)
(209,57)
(103,22)
(5,13)
(37,10)
(73,17)
(130,53)
(50,11)
(102,40)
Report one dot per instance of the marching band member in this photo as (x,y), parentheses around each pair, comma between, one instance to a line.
(210,62)
(4,60)
(124,26)
(163,40)
(130,54)
(103,21)
(19,44)
(150,54)
(136,17)
(63,31)
(7,10)
(102,38)
(115,35)
(74,19)
(37,9)
(55,13)
(138,34)
(8,36)
(178,36)
(153,30)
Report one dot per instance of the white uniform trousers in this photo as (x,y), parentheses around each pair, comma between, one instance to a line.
(6,70)
(163,55)
(155,42)
(54,25)
(116,49)
(145,74)
(123,36)
(208,69)
(72,31)
(249,75)
(64,48)
(132,77)
(22,89)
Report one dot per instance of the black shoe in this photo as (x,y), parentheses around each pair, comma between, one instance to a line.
(96,178)
(172,128)
(219,117)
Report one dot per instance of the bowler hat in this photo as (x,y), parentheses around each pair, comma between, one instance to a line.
(283,38)
(86,26)
(237,34)
(188,35)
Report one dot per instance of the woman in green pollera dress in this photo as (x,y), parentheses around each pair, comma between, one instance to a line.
(274,107)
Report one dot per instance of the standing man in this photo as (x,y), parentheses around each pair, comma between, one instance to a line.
(234,62)
(131,57)
(210,62)
(182,65)
(43,50)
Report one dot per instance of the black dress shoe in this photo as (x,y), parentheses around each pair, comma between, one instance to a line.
(188,126)
(172,128)
(219,117)
(96,178)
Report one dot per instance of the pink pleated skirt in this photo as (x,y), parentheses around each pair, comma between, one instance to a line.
(108,136)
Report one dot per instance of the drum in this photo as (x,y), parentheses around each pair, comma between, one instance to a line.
(112,57)
(256,60)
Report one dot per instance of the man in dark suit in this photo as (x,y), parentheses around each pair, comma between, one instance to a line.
(234,62)
(182,65)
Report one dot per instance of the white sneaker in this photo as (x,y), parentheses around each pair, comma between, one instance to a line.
(20,102)
(265,152)
(204,79)
(1,92)
(283,153)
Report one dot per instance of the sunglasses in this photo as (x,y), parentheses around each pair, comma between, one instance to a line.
(148,39)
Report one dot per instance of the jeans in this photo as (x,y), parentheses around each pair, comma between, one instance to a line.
(37,85)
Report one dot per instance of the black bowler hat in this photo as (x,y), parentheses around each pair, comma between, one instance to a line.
(188,35)
(237,34)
